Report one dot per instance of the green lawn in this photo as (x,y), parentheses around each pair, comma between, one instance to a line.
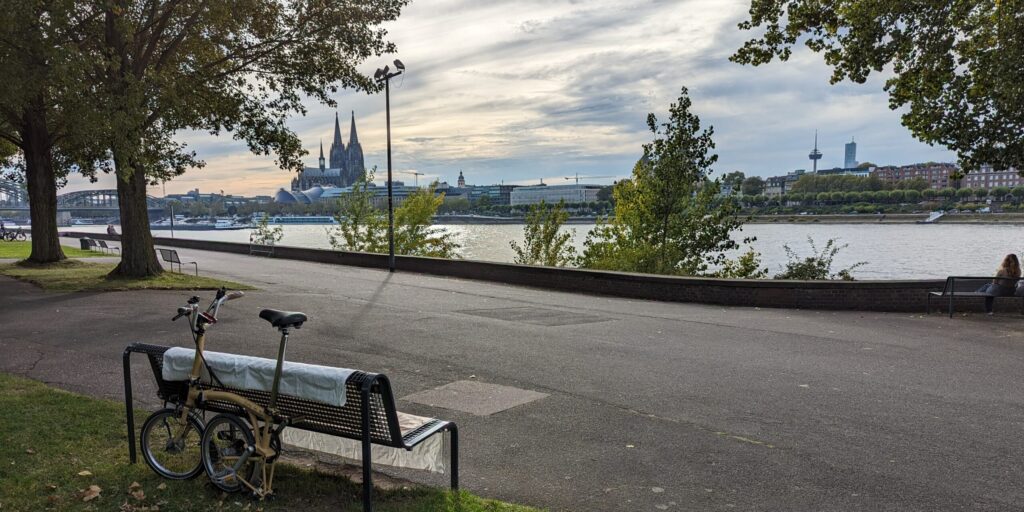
(57,445)
(73,275)
(21,250)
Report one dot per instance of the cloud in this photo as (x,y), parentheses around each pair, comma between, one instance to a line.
(518,90)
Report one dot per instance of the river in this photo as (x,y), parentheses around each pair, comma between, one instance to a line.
(891,251)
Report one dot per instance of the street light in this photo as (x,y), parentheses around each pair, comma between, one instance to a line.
(385,75)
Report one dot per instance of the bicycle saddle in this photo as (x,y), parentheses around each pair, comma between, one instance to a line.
(282,319)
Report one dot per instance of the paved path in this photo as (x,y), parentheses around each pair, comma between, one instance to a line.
(650,406)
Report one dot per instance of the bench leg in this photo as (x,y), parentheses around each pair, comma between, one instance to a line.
(951,305)
(455,456)
(128,404)
(367,452)
(197,267)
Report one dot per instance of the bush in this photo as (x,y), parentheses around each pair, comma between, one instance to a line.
(818,266)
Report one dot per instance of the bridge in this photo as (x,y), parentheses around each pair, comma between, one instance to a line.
(14,197)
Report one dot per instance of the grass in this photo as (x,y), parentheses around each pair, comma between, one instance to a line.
(57,444)
(73,276)
(22,250)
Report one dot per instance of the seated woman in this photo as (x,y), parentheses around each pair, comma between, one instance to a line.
(1005,282)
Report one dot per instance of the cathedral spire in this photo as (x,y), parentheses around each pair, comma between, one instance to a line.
(352,137)
(337,132)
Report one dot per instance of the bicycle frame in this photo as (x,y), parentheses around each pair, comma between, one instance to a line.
(262,420)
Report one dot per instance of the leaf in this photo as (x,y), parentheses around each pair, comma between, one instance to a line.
(85,472)
(134,485)
(30,451)
(139,494)
(91,493)
(161,486)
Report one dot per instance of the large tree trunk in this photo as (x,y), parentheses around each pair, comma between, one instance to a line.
(138,258)
(42,189)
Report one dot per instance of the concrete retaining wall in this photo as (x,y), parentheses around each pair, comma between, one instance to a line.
(907,295)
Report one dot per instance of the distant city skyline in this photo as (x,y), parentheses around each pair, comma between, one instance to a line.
(530,90)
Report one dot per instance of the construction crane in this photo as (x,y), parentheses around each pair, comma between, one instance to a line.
(577,177)
(414,173)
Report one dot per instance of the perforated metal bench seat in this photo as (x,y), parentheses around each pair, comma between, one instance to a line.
(369,414)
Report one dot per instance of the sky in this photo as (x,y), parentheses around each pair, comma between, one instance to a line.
(516,91)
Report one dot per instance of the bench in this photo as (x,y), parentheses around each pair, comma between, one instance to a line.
(369,415)
(171,256)
(966,287)
(264,247)
(103,245)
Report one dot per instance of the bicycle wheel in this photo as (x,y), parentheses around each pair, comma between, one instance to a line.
(226,438)
(170,446)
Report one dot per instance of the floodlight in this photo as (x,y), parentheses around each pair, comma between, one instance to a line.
(386,70)
(399,65)
(378,74)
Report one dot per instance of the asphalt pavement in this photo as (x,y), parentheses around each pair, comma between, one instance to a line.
(636,405)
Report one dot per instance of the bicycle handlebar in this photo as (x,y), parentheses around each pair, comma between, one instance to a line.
(210,315)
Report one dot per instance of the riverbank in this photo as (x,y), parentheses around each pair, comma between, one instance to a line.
(891,218)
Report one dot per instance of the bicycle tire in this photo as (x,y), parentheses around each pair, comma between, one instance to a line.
(227,435)
(174,461)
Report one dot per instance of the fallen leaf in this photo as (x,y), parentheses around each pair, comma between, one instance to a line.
(630,446)
(134,485)
(139,494)
(161,486)
(91,493)
(52,487)
(85,472)
(30,451)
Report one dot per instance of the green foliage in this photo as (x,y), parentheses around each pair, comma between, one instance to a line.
(265,234)
(837,183)
(735,180)
(363,228)
(953,69)
(817,266)
(543,244)
(746,266)
(668,216)
(752,186)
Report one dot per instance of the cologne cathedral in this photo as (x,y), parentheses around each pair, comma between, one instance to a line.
(346,165)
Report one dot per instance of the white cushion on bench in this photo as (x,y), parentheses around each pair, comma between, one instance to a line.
(430,454)
(309,381)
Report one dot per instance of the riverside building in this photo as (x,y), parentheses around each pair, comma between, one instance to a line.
(550,194)
(989,178)
(936,174)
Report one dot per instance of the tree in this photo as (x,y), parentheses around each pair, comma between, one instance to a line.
(746,266)
(363,228)
(734,180)
(965,193)
(912,196)
(543,243)
(956,66)
(240,66)
(1000,193)
(1018,193)
(264,234)
(947,192)
(752,186)
(897,196)
(44,119)
(929,193)
(605,193)
(668,217)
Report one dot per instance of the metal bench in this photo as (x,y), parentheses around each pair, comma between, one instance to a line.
(966,287)
(368,416)
(171,256)
(103,245)
(266,248)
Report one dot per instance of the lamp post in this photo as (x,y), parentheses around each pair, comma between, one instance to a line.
(385,75)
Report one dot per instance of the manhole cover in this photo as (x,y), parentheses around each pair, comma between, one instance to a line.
(474,397)
(536,316)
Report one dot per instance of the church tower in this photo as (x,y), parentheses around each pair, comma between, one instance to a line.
(337,147)
(462,180)
(323,165)
(355,167)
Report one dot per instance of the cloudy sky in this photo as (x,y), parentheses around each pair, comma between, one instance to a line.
(521,90)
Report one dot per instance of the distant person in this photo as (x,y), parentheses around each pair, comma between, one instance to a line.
(112,231)
(1004,285)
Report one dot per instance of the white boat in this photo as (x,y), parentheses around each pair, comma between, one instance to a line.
(230,224)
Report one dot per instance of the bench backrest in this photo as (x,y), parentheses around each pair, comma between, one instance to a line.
(90,242)
(102,244)
(344,421)
(169,255)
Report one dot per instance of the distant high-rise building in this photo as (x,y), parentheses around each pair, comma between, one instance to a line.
(851,155)
(815,154)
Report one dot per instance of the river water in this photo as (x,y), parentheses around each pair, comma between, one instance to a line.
(891,251)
